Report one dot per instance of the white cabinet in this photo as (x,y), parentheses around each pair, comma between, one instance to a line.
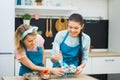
(104,65)
(17,67)
(7,15)
(49,63)
(87,69)
(6,65)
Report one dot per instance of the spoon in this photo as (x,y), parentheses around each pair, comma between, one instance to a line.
(47,32)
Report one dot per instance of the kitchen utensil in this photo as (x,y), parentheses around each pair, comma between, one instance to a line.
(47,32)
(50,32)
(61,24)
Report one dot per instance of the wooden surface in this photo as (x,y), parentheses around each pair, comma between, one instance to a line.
(92,54)
(80,77)
(104,54)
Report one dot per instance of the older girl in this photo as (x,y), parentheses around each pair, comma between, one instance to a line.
(71,45)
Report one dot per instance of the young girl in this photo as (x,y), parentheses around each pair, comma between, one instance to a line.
(29,50)
(71,45)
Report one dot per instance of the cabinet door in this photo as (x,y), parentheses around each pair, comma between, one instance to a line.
(113,64)
(6,65)
(7,17)
(17,67)
(103,65)
(87,69)
(48,63)
(99,65)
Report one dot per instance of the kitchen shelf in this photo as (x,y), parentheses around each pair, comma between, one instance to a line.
(44,10)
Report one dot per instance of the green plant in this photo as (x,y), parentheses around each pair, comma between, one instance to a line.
(26,16)
(39,32)
(38,0)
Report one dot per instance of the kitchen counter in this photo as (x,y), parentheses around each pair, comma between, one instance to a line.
(78,77)
(104,54)
(92,54)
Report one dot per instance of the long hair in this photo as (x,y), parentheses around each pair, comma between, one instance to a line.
(18,33)
(78,18)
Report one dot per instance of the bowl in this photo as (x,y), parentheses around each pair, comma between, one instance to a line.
(32,76)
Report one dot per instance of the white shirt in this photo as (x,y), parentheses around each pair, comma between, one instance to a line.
(72,42)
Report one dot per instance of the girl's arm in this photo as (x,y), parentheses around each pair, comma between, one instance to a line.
(44,56)
(25,61)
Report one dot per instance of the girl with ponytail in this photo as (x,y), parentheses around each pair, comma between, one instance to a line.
(71,46)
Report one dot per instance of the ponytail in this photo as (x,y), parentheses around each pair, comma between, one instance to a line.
(80,52)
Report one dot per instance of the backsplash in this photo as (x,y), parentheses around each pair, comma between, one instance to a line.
(96,29)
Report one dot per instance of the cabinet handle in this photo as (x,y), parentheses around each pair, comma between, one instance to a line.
(109,60)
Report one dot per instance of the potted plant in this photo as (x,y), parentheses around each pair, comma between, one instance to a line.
(39,2)
(39,32)
(26,18)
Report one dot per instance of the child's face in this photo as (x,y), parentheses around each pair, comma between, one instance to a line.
(30,41)
(74,28)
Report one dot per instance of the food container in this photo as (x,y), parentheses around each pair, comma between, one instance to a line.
(32,76)
(70,70)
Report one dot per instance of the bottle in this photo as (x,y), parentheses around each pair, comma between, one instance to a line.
(28,2)
(18,2)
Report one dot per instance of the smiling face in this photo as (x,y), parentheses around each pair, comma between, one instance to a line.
(74,28)
(30,41)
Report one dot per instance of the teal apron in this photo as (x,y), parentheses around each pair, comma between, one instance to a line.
(35,56)
(69,54)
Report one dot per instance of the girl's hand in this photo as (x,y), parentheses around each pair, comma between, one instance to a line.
(57,71)
(79,70)
(58,56)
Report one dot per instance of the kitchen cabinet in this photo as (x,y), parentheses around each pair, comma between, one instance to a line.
(49,63)
(17,67)
(7,26)
(87,69)
(105,65)
(6,65)
(7,15)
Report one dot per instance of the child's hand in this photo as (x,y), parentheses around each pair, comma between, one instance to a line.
(58,56)
(58,71)
(79,70)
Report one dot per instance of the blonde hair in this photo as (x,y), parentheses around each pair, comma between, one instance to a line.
(18,33)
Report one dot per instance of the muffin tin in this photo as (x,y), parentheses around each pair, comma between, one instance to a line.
(70,70)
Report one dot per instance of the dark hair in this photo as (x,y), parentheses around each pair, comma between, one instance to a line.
(78,18)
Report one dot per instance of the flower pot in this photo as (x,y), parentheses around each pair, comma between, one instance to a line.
(39,3)
(26,22)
